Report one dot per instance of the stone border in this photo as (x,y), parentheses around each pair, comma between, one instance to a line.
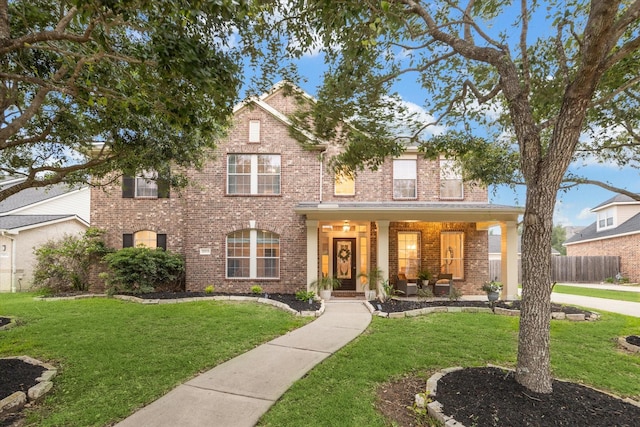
(449,309)
(11,324)
(622,341)
(19,399)
(260,300)
(434,408)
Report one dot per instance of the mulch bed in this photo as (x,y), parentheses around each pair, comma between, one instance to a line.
(395,305)
(16,375)
(492,397)
(633,340)
(4,321)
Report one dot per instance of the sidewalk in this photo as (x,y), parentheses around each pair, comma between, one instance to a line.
(621,307)
(238,392)
(607,286)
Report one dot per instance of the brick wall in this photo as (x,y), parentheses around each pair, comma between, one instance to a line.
(626,247)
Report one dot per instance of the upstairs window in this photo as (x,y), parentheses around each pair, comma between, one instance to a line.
(147,185)
(404,179)
(254,130)
(344,185)
(451,186)
(253,254)
(606,219)
(253,174)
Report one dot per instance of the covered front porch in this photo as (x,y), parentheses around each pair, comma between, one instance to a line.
(346,240)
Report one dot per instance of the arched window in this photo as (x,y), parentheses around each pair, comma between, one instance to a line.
(253,254)
(145,238)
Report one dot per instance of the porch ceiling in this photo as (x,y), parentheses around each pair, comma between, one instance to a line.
(409,211)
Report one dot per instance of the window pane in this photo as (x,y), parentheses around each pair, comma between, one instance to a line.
(404,189)
(146,186)
(145,238)
(269,164)
(451,189)
(238,253)
(452,253)
(268,174)
(344,185)
(268,254)
(254,131)
(269,184)
(239,184)
(409,254)
(404,179)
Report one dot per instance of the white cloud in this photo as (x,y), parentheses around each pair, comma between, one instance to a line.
(585,214)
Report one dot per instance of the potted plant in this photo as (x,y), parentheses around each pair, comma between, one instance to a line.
(424,276)
(374,277)
(492,289)
(325,285)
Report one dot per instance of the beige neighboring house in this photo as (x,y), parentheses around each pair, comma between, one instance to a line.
(32,217)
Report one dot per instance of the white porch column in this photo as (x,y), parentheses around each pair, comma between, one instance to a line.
(509,265)
(312,252)
(383,248)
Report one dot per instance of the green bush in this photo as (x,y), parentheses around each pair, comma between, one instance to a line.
(139,270)
(256,289)
(64,265)
(303,295)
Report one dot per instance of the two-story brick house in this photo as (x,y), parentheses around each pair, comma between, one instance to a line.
(266,211)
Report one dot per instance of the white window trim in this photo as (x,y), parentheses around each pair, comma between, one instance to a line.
(342,178)
(449,174)
(149,176)
(253,258)
(253,177)
(604,215)
(418,254)
(413,159)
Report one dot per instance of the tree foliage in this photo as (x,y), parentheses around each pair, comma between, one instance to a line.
(64,265)
(548,83)
(558,237)
(93,86)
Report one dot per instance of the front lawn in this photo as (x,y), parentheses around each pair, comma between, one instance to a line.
(116,356)
(341,391)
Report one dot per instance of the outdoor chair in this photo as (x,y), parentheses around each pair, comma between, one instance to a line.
(404,287)
(443,285)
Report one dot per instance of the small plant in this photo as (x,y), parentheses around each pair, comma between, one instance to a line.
(388,291)
(424,275)
(209,289)
(303,295)
(373,277)
(610,280)
(491,286)
(326,283)
(455,294)
(256,289)
(424,293)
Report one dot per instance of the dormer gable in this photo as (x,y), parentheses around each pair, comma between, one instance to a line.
(615,211)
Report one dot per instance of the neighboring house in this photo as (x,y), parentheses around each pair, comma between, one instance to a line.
(32,217)
(495,247)
(266,211)
(616,232)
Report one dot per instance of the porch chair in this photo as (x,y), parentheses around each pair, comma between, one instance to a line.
(443,285)
(403,286)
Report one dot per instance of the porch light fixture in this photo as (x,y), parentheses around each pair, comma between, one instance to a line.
(346,227)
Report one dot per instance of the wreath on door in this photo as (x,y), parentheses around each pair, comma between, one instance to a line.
(344,254)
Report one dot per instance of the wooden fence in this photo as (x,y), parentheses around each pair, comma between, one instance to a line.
(571,269)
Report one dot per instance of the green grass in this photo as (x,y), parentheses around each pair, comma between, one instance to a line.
(598,293)
(341,390)
(114,356)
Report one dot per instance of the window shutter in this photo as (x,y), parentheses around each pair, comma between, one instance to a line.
(127,240)
(128,187)
(161,241)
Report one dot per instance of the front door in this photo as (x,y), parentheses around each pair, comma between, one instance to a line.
(344,262)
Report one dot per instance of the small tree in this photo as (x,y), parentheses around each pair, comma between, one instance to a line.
(64,265)
(139,270)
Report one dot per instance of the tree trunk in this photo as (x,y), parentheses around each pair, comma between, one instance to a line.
(534,360)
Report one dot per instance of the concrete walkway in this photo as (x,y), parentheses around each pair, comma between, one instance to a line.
(238,392)
(621,307)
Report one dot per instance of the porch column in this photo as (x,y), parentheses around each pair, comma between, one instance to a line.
(383,248)
(509,265)
(312,252)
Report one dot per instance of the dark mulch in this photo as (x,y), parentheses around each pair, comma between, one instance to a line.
(492,397)
(394,305)
(4,321)
(633,340)
(16,375)
(288,299)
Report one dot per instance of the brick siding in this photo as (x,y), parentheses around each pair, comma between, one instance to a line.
(626,247)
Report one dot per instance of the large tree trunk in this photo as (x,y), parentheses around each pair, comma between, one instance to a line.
(534,359)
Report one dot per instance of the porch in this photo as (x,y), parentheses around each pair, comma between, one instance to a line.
(345,240)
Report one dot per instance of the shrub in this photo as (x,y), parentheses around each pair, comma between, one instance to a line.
(64,265)
(140,270)
(303,295)
(209,289)
(256,289)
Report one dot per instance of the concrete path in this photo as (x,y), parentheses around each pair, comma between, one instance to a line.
(238,392)
(622,307)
